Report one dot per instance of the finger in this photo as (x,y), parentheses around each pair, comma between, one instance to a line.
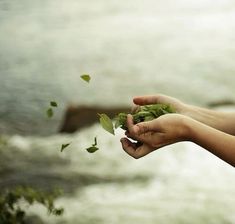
(147,132)
(141,151)
(127,133)
(129,123)
(144,100)
(135,109)
(131,149)
(128,146)
(132,137)
(135,138)
(132,129)
(141,131)
(145,127)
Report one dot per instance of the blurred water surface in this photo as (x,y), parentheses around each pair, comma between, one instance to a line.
(181,48)
(178,184)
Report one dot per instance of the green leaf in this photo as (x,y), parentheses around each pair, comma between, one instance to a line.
(95,144)
(50,113)
(120,120)
(63,146)
(53,104)
(92,149)
(106,123)
(86,77)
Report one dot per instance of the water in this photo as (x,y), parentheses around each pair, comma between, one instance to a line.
(177,184)
(180,48)
(184,49)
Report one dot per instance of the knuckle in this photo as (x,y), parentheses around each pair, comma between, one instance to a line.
(140,128)
(144,129)
(137,129)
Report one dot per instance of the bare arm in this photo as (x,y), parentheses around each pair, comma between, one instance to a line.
(217,142)
(223,121)
(212,130)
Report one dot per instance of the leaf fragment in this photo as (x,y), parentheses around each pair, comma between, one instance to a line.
(63,146)
(94,147)
(53,104)
(50,113)
(95,144)
(106,123)
(86,77)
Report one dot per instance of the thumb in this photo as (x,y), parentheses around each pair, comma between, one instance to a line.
(144,127)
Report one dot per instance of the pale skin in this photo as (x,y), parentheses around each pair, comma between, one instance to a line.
(212,130)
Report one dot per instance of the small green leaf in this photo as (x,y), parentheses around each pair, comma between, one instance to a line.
(106,123)
(53,104)
(50,113)
(86,77)
(95,144)
(63,146)
(92,149)
(120,120)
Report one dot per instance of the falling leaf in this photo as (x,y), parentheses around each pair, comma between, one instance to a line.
(53,104)
(50,113)
(95,144)
(86,77)
(93,148)
(63,146)
(106,123)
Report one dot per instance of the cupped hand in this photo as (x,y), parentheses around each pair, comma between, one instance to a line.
(165,130)
(179,106)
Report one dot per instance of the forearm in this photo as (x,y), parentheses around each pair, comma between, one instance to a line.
(215,141)
(223,121)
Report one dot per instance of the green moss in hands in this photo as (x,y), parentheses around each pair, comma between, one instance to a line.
(144,113)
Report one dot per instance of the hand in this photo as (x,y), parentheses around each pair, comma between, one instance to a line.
(179,106)
(165,130)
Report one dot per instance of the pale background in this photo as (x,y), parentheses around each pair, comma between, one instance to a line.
(182,48)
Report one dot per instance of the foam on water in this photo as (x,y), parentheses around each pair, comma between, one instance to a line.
(177,184)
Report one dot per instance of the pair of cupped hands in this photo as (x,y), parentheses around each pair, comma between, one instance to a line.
(164,130)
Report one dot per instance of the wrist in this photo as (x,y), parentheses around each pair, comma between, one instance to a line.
(189,126)
(188,110)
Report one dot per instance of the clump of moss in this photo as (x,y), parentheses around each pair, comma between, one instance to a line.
(143,113)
